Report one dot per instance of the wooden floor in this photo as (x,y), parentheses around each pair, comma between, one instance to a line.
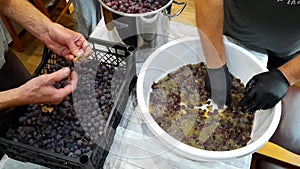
(31,56)
(188,14)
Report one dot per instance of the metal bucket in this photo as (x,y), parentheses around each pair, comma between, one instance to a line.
(143,29)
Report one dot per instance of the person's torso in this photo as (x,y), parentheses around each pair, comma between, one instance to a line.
(270,24)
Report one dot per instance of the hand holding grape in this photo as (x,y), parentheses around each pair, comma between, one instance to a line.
(41,89)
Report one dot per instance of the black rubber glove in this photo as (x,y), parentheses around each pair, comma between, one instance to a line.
(218,85)
(265,90)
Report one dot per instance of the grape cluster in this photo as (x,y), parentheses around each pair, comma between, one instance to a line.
(72,127)
(133,6)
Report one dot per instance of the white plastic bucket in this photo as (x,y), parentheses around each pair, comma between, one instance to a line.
(241,64)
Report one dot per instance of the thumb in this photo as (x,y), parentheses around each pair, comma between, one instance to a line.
(60,74)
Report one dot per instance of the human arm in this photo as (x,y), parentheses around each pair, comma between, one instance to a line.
(40,90)
(210,18)
(266,89)
(59,39)
(291,70)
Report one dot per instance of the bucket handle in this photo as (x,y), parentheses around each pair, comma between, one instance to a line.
(177,13)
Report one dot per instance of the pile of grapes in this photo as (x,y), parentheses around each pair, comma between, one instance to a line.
(133,6)
(72,127)
(180,105)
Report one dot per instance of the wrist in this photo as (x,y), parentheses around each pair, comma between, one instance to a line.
(283,76)
(45,33)
(286,76)
(220,73)
(216,65)
(219,67)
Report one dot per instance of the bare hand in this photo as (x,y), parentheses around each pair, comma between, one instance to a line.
(41,90)
(67,42)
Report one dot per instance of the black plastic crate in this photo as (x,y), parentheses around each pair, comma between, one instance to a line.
(114,55)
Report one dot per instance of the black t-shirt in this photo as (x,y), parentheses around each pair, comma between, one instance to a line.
(270,24)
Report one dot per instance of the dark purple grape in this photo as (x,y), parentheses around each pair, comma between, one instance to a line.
(22,119)
(134,6)
(60,130)
(77,152)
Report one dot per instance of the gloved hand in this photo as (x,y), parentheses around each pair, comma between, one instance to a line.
(218,85)
(265,90)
